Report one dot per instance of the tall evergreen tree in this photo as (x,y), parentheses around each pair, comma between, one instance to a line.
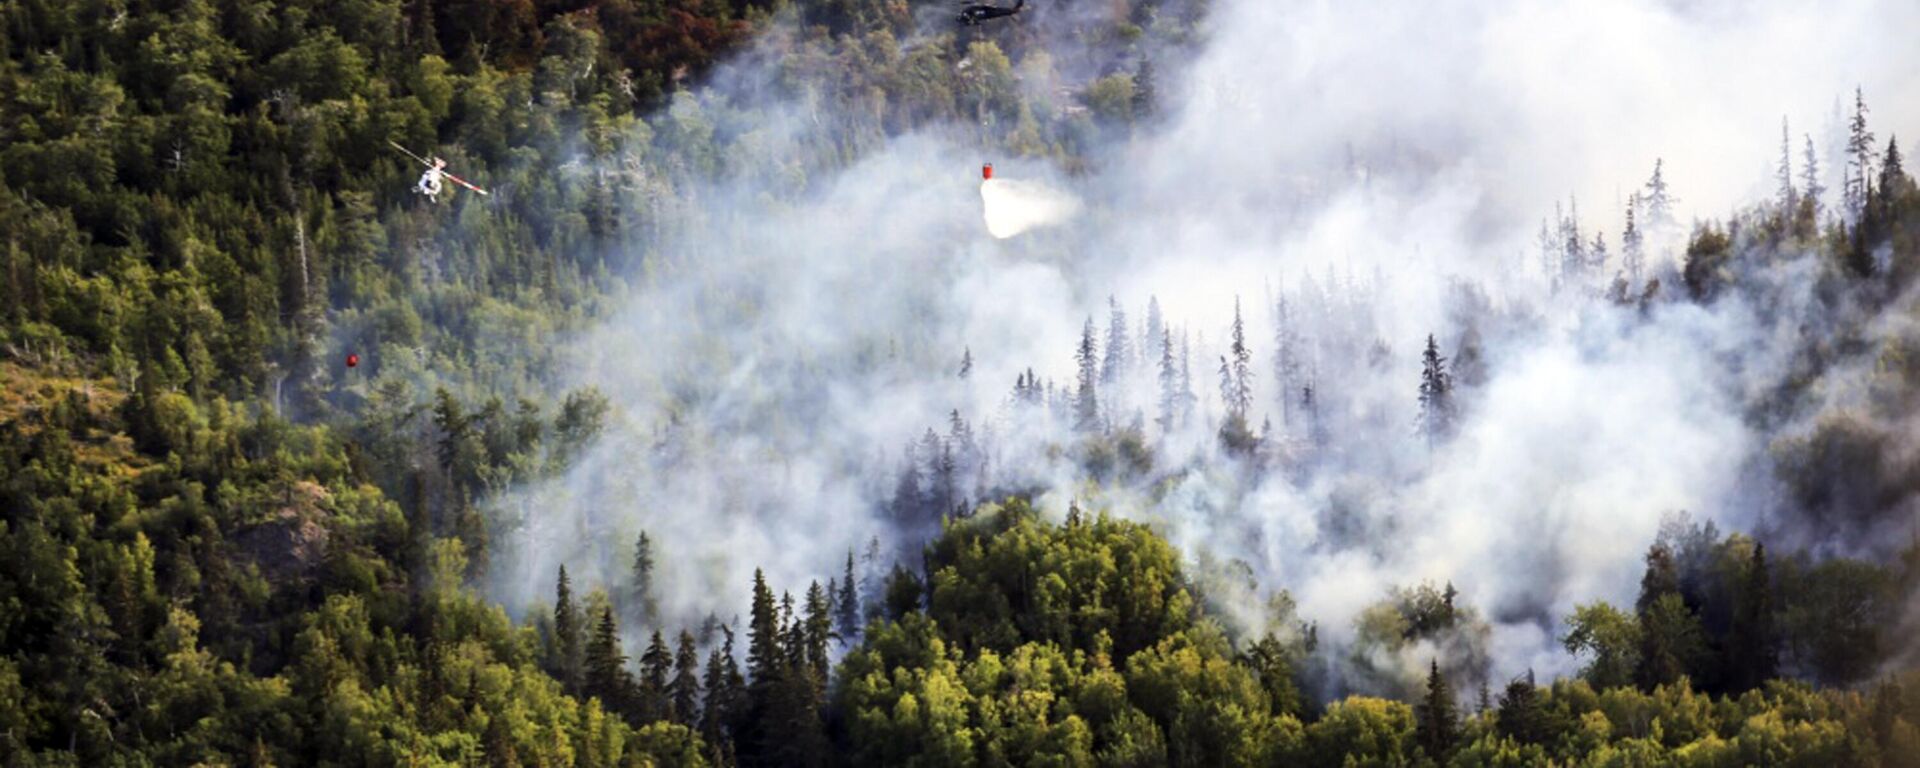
(1436,395)
(1893,172)
(816,631)
(1573,251)
(1810,187)
(908,498)
(1169,384)
(1633,257)
(1659,200)
(1439,718)
(1286,359)
(645,600)
(769,664)
(606,675)
(1753,654)
(567,637)
(946,479)
(724,706)
(764,654)
(792,733)
(1154,340)
(847,606)
(656,665)
(966,363)
(1860,151)
(1240,394)
(1788,197)
(683,691)
(795,733)
(1187,397)
(1086,401)
(1116,358)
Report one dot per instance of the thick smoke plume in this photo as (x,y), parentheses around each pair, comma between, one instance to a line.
(1354,179)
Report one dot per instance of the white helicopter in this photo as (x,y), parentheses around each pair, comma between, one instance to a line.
(429,183)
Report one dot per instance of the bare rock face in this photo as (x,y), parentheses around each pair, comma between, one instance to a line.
(291,543)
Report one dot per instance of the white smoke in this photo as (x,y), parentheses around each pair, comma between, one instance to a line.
(785,346)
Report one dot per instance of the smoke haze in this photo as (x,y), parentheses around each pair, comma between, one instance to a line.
(1382,171)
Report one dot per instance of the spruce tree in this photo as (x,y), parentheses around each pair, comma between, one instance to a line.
(1169,384)
(1783,175)
(1439,726)
(713,713)
(817,630)
(644,599)
(847,606)
(792,733)
(1153,343)
(1860,150)
(966,363)
(1286,359)
(567,645)
(1810,187)
(1659,200)
(1187,397)
(946,475)
(908,499)
(1573,251)
(1753,655)
(723,710)
(1241,401)
(1236,388)
(1632,248)
(1086,401)
(1113,364)
(1893,173)
(656,665)
(765,722)
(764,655)
(684,690)
(1436,395)
(606,666)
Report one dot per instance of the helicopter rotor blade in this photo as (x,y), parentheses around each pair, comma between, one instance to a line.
(408,153)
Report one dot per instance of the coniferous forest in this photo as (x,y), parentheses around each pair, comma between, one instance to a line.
(1341,396)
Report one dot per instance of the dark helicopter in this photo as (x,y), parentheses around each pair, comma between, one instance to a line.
(974,13)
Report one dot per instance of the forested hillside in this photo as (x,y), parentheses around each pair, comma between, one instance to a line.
(718,309)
